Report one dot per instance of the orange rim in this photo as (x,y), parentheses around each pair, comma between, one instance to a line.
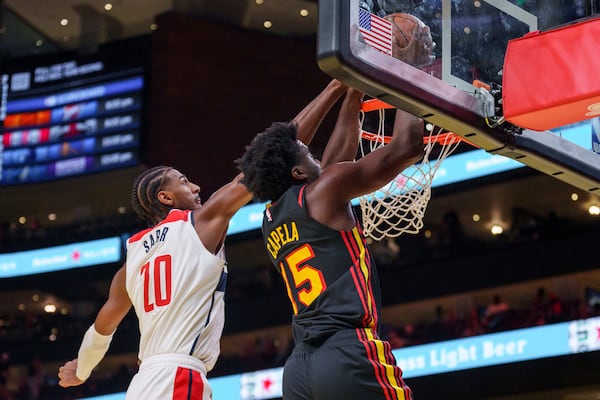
(445,138)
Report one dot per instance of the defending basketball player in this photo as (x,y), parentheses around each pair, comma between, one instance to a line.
(174,277)
(314,240)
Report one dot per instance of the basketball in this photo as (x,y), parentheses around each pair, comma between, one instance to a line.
(411,40)
(403,26)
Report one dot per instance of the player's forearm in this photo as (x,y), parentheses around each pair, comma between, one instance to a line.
(310,118)
(343,143)
(92,350)
(228,199)
(382,165)
(407,141)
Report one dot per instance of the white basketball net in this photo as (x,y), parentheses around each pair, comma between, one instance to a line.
(399,206)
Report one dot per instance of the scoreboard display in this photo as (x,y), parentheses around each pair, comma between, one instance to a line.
(69,117)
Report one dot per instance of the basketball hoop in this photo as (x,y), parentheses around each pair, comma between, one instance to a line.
(399,206)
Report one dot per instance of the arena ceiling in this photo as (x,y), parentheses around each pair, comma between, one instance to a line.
(32,26)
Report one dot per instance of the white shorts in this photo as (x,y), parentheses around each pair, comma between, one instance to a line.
(170,376)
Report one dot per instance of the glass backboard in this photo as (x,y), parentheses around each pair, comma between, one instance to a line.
(468,42)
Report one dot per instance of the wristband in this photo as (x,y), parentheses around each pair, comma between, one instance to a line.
(92,350)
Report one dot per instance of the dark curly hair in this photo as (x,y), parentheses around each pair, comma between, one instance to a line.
(268,161)
(144,191)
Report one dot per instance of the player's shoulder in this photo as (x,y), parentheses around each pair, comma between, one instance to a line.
(174,215)
(178,215)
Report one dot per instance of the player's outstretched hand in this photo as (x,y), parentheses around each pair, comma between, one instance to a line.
(66,374)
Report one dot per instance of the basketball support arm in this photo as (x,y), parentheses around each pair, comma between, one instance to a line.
(435,101)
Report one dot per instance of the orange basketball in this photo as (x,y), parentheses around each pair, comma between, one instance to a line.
(403,26)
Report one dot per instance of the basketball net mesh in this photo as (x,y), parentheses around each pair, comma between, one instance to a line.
(399,206)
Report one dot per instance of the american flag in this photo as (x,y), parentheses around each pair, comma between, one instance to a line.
(376,31)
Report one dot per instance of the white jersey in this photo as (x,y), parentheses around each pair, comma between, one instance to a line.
(177,287)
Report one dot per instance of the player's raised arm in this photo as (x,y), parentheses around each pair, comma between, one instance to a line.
(212,220)
(344,181)
(343,143)
(310,117)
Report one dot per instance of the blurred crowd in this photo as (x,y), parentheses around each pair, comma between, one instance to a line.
(15,236)
(446,237)
(34,382)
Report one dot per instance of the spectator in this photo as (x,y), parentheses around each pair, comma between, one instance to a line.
(555,309)
(471,325)
(443,325)
(538,307)
(496,313)
(395,337)
(411,335)
(31,386)
(5,394)
(525,226)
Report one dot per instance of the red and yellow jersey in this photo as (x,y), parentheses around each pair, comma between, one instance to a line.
(330,276)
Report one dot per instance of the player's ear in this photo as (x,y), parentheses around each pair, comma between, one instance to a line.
(165,198)
(298,173)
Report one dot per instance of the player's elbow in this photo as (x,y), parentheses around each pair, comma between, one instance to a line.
(409,141)
(410,151)
(415,152)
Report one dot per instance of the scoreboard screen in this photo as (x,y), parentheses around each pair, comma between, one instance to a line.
(69,117)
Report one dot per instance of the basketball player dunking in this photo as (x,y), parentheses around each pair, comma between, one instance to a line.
(314,240)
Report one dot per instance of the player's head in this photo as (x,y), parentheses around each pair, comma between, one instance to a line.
(158,190)
(275,160)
